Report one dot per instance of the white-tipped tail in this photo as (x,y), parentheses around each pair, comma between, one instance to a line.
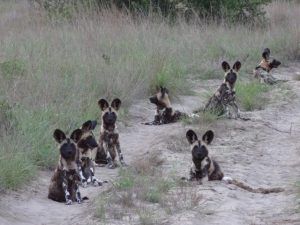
(227,179)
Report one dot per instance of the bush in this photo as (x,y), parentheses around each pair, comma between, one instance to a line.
(245,11)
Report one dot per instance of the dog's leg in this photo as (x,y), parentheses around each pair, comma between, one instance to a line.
(95,181)
(82,178)
(118,147)
(78,194)
(65,188)
(110,163)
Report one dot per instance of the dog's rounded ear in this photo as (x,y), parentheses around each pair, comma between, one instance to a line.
(167,90)
(225,66)
(191,136)
(94,124)
(59,136)
(266,53)
(103,104)
(76,135)
(87,126)
(208,137)
(116,104)
(237,66)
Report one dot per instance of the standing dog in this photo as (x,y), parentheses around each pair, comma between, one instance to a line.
(223,101)
(87,146)
(263,70)
(64,185)
(164,112)
(203,165)
(109,142)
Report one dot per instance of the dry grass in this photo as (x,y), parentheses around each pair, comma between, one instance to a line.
(143,191)
(52,72)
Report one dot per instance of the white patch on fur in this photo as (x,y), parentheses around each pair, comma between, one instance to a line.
(193,115)
(81,175)
(227,179)
(204,163)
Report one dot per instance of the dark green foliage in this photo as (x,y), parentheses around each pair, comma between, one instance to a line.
(244,11)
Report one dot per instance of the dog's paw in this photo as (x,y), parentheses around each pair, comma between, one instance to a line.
(68,202)
(84,184)
(111,166)
(78,200)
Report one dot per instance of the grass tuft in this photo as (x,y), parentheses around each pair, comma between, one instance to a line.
(251,95)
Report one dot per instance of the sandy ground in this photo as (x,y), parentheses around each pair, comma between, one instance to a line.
(263,152)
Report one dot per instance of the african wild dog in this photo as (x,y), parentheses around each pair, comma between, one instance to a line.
(203,165)
(164,112)
(109,142)
(262,71)
(87,146)
(223,101)
(64,185)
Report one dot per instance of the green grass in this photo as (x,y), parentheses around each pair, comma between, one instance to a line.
(52,72)
(16,167)
(250,96)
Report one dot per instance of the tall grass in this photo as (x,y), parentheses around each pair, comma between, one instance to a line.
(52,72)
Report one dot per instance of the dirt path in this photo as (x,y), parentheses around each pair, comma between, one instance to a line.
(249,151)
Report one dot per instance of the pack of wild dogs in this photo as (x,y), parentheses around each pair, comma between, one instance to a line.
(81,152)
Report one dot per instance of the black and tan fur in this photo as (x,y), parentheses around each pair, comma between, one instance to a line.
(202,165)
(64,185)
(223,101)
(87,146)
(164,113)
(263,70)
(109,144)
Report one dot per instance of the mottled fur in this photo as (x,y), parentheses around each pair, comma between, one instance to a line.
(202,165)
(164,112)
(64,185)
(109,144)
(87,146)
(263,70)
(223,101)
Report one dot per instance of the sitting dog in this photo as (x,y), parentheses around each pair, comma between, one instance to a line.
(64,185)
(203,165)
(263,70)
(223,101)
(87,146)
(109,137)
(164,112)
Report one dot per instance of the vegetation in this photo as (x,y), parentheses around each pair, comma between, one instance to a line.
(251,95)
(53,71)
(233,11)
(141,192)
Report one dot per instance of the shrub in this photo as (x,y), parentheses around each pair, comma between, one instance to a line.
(244,11)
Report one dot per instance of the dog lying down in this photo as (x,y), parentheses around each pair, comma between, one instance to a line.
(164,113)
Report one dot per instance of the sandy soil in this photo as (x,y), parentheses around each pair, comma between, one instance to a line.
(262,152)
